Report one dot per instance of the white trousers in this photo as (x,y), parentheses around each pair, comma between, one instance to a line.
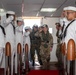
(1,56)
(12,58)
(12,63)
(16,58)
(24,56)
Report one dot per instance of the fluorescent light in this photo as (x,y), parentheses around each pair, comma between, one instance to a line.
(1,10)
(52,15)
(48,9)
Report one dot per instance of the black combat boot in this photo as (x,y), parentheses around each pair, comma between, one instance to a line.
(40,62)
(33,63)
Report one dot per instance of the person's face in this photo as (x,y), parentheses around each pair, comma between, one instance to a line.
(64,13)
(71,15)
(13,16)
(35,28)
(20,23)
(40,28)
(45,29)
(27,30)
(57,27)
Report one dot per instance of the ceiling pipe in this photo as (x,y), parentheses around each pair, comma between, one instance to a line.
(22,7)
(62,4)
(59,7)
(40,8)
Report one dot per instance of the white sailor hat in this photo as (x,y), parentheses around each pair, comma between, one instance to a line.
(10,12)
(65,8)
(27,27)
(19,19)
(72,8)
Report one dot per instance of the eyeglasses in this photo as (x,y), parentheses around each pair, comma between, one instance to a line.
(70,12)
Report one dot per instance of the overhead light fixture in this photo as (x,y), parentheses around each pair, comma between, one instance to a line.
(51,15)
(48,9)
(1,10)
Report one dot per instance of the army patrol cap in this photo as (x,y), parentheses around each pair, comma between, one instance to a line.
(27,27)
(45,25)
(10,12)
(72,8)
(36,26)
(41,26)
(58,24)
(19,19)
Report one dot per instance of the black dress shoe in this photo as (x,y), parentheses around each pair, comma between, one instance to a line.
(40,61)
(33,63)
(16,74)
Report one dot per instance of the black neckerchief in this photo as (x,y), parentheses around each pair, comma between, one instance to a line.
(63,26)
(13,27)
(3,30)
(67,27)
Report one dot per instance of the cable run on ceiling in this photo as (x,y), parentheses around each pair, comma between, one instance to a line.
(60,6)
(22,7)
(40,8)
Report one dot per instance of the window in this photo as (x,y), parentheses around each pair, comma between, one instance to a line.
(50,30)
(30,21)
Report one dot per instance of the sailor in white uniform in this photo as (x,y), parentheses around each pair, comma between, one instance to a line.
(2,42)
(10,34)
(70,33)
(19,38)
(64,22)
(27,39)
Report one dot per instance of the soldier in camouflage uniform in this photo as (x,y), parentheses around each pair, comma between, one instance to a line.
(46,46)
(35,45)
(58,50)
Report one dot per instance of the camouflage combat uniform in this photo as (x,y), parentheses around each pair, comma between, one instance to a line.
(46,45)
(35,45)
(58,50)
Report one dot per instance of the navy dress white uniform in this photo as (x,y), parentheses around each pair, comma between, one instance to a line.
(19,38)
(27,39)
(64,22)
(10,36)
(2,43)
(71,30)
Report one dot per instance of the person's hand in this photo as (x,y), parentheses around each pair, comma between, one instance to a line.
(40,30)
(30,30)
(42,43)
(11,17)
(50,48)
